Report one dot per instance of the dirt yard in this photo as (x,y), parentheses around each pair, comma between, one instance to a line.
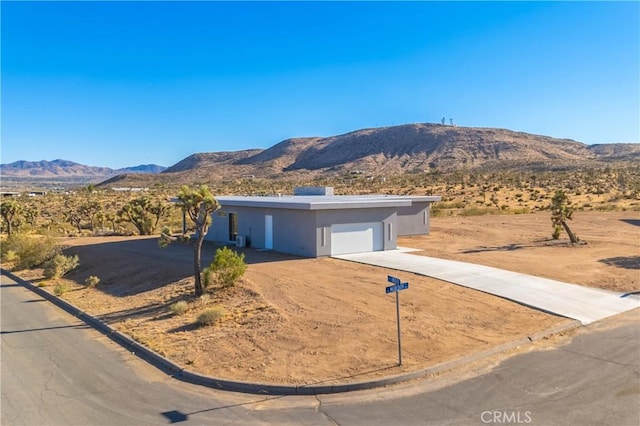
(303,321)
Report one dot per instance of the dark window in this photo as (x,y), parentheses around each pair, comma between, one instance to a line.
(233,226)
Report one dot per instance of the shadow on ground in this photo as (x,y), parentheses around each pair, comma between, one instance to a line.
(508,247)
(545,242)
(137,265)
(630,262)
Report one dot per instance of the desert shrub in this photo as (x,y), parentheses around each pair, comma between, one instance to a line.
(203,300)
(207,277)
(60,265)
(92,281)
(210,316)
(228,266)
(451,205)
(606,208)
(439,213)
(10,256)
(478,211)
(28,251)
(60,289)
(179,308)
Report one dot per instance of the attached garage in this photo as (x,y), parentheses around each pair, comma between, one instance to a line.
(356,237)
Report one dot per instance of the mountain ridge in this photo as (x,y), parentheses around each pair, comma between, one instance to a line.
(375,151)
(407,148)
(65,168)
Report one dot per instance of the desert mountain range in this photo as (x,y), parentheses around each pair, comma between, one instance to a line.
(64,168)
(408,148)
(376,151)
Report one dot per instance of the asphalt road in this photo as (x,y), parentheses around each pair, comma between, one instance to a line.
(57,371)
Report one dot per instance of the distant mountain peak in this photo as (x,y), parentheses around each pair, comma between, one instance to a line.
(65,168)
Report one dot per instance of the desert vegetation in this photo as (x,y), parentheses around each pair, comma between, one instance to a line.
(210,316)
(197,203)
(561,213)
(21,251)
(228,267)
(90,211)
(100,210)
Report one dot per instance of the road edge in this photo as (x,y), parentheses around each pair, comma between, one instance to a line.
(172,369)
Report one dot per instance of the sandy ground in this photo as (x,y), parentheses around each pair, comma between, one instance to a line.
(300,321)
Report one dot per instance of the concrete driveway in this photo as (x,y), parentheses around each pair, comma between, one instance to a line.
(584,304)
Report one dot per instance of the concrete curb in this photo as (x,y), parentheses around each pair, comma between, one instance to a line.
(175,371)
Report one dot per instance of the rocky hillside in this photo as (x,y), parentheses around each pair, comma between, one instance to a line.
(204,159)
(378,151)
(408,148)
(64,169)
(617,151)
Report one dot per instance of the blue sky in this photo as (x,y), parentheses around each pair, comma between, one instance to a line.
(121,83)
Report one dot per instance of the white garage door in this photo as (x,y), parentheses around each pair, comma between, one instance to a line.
(356,237)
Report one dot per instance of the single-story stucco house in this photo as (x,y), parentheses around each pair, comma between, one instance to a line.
(319,225)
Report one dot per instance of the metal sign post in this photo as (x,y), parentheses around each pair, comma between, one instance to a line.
(398,285)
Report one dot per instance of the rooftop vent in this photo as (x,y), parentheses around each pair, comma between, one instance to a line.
(313,190)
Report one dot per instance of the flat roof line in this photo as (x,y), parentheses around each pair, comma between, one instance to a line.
(319,202)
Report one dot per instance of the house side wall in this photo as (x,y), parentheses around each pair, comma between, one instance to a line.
(250,224)
(325,218)
(293,230)
(415,219)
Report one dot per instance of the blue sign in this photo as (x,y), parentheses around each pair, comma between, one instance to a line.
(394,280)
(397,287)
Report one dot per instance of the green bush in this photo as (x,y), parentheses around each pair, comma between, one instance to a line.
(28,251)
(60,265)
(179,308)
(92,281)
(210,316)
(228,266)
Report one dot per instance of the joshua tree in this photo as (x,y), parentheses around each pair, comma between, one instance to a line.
(144,213)
(89,210)
(73,216)
(11,211)
(31,214)
(561,212)
(198,203)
